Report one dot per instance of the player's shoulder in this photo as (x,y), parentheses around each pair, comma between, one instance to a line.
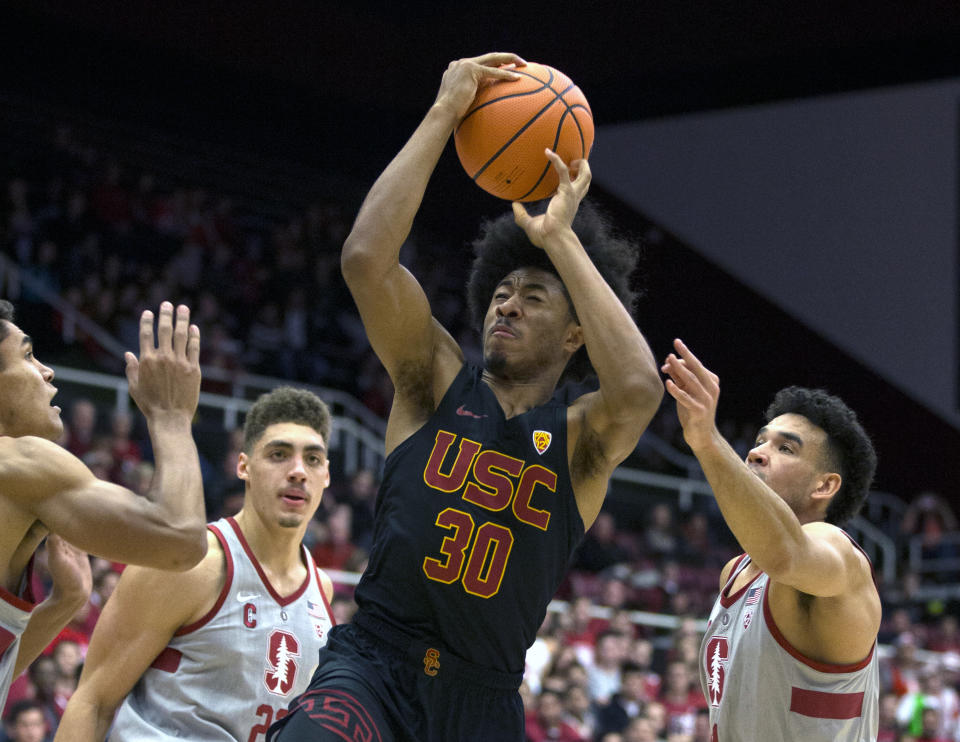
(325,583)
(728,569)
(27,446)
(836,537)
(33,468)
(204,576)
(169,600)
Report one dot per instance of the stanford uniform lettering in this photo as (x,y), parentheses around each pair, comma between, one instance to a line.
(199,687)
(775,693)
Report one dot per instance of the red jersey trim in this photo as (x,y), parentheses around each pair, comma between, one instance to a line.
(224,591)
(797,655)
(822,705)
(263,577)
(6,639)
(728,600)
(323,595)
(25,603)
(168,660)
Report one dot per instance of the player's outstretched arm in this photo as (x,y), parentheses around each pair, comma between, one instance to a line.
(72,582)
(164,529)
(611,420)
(815,558)
(393,306)
(145,610)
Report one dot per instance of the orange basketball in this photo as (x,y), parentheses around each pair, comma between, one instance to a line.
(501,139)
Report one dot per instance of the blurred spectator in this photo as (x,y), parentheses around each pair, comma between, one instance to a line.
(901,672)
(335,550)
(660,536)
(889,728)
(580,627)
(928,518)
(929,726)
(68,655)
(125,452)
(141,478)
(600,548)
(627,703)
(104,582)
(362,500)
(579,711)
(265,341)
(641,729)
(701,727)
(614,593)
(539,654)
(657,714)
(564,658)
(343,608)
(932,694)
(25,722)
(681,698)
(81,428)
(640,654)
(50,691)
(547,722)
(603,674)
(945,636)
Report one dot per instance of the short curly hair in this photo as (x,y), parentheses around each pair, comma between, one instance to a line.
(502,247)
(286,404)
(849,448)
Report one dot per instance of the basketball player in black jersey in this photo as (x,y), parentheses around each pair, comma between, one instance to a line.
(489,481)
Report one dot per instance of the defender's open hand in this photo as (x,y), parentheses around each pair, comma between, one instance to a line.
(697,391)
(166,376)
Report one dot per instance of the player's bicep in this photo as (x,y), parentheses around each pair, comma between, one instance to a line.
(138,621)
(110,521)
(395,312)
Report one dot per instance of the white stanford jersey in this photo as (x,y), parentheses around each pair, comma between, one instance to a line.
(761,689)
(14,615)
(229,675)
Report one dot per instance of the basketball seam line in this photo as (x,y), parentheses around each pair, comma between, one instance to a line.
(557,96)
(543,84)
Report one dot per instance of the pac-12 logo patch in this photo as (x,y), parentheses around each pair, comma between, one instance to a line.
(541,440)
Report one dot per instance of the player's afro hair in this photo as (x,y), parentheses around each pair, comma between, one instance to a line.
(502,247)
(849,448)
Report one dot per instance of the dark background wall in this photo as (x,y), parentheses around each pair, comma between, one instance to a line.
(339,86)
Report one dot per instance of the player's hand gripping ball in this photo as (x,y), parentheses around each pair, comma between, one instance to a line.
(501,139)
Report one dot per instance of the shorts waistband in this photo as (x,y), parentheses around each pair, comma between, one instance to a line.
(434,658)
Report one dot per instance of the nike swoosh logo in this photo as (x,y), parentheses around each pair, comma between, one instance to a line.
(243,598)
(464,412)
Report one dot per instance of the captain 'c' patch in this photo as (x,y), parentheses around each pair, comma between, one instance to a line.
(541,440)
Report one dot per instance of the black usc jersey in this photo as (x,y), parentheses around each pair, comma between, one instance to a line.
(475,525)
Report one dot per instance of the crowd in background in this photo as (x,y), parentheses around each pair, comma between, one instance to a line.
(112,242)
